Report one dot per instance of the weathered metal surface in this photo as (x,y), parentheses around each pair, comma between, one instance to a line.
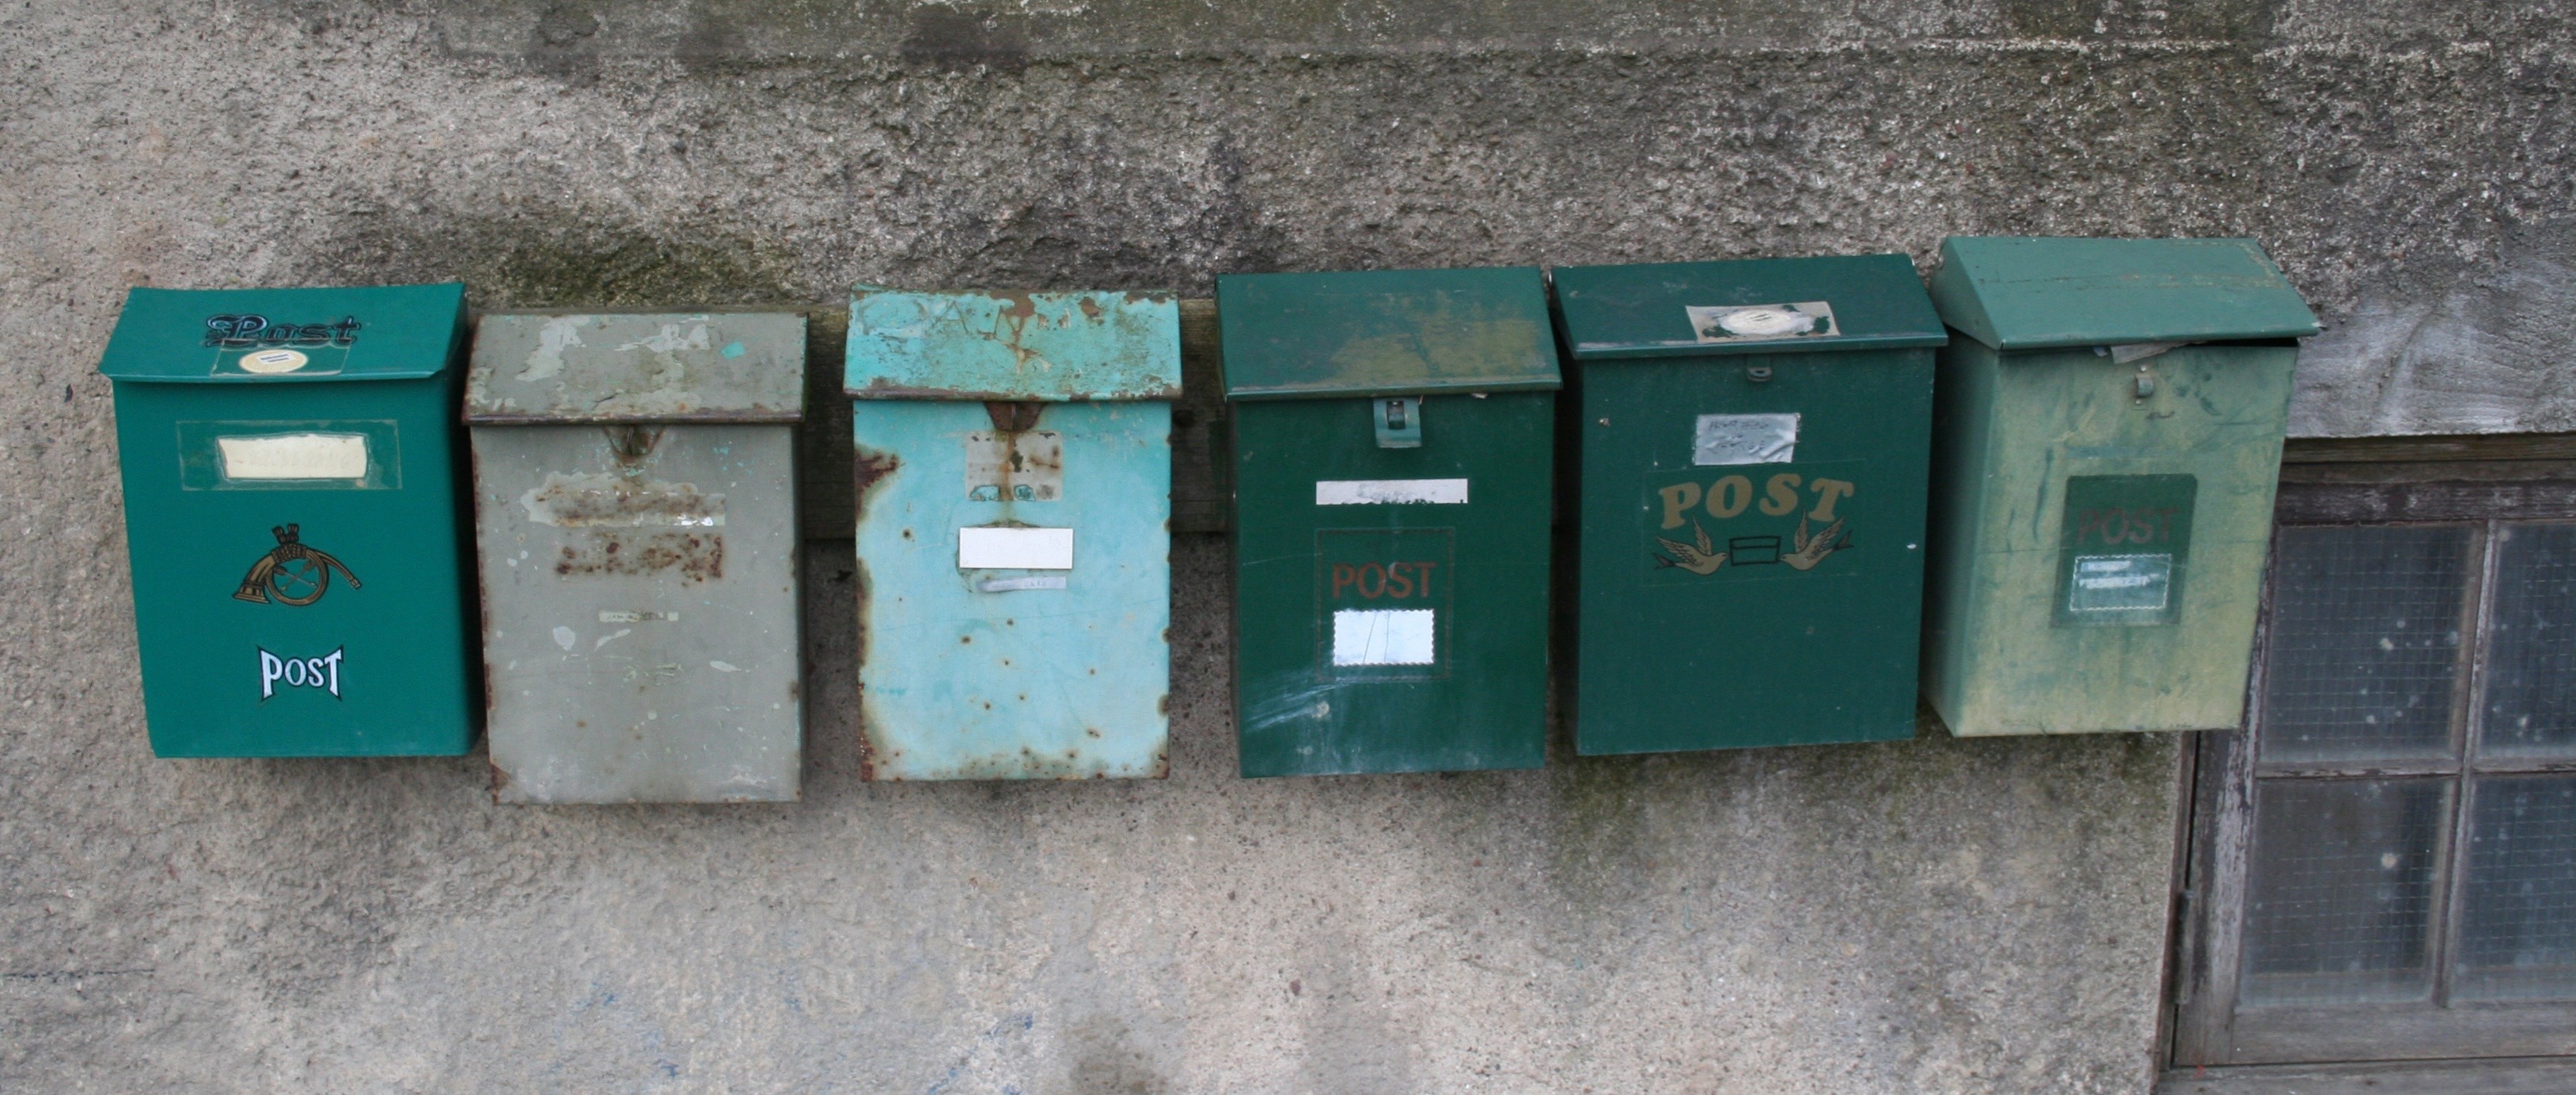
(2071,490)
(718,366)
(2034,292)
(1019,673)
(636,518)
(1386,332)
(640,612)
(1014,346)
(1391,602)
(1751,516)
(291,517)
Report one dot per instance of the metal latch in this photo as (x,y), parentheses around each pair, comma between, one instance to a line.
(1399,422)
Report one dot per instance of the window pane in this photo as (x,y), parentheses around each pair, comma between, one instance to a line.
(2518,919)
(2340,890)
(2364,643)
(2531,661)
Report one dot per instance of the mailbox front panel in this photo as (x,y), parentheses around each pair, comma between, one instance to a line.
(1391,602)
(1014,588)
(2098,553)
(640,611)
(298,567)
(1751,549)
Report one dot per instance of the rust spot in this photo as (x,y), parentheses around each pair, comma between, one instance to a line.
(631,445)
(699,557)
(1091,731)
(1090,310)
(795,690)
(501,781)
(1163,704)
(871,468)
(602,500)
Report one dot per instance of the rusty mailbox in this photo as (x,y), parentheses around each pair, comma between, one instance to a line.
(634,497)
(1014,478)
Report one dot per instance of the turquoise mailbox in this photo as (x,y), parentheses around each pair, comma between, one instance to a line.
(291,511)
(1014,474)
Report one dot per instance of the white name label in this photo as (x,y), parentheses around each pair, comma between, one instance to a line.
(1383,636)
(1728,439)
(322,672)
(1015,549)
(1382,492)
(295,456)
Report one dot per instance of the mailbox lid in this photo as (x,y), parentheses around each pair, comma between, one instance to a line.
(1386,332)
(285,336)
(2036,292)
(649,367)
(1678,309)
(1009,346)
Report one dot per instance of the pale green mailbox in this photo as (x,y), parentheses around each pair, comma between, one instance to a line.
(2107,434)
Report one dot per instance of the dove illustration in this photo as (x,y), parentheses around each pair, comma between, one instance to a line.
(1700,558)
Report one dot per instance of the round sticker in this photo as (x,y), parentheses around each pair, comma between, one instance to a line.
(1766,321)
(273,361)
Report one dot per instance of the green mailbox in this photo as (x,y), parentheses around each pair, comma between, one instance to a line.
(1754,439)
(291,512)
(1392,443)
(2110,425)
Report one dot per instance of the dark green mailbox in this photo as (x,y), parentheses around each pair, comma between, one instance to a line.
(291,511)
(2110,428)
(1392,434)
(1754,438)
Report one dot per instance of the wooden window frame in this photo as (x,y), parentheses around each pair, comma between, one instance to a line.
(2209,1045)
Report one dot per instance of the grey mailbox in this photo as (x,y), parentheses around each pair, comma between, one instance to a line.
(635,518)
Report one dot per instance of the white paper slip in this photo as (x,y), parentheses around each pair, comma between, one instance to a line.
(1379,492)
(1383,636)
(985,548)
(295,456)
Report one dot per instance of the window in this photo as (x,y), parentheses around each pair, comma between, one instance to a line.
(2382,863)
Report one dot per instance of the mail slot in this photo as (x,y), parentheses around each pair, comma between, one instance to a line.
(291,516)
(1392,469)
(1755,439)
(635,516)
(1014,475)
(2109,435)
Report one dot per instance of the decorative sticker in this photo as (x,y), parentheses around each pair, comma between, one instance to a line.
(1014,466)
(2124,547)
(1383,604)
(1763,322)
(1726,439)
(291,573)
(1745,526)
(256,345)
(321,673)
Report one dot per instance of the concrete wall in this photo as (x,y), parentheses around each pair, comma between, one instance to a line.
(1921,916)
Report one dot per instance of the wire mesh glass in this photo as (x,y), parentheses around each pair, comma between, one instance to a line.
(2531,657)
(2364,643)
(2518,911)
(2339,891)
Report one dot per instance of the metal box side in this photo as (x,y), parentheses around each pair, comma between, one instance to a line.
(640,630)
(2217,414)
(395,609)
(1732,605)
(1013,674)
(1484,704)
(1963,463)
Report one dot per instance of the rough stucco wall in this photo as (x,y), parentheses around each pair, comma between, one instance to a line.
(1931,915)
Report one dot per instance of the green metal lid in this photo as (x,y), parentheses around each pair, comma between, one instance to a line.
(1677,309)
(283,336)
(1042,347)
(1385,332)
(692,367)
(2025,292)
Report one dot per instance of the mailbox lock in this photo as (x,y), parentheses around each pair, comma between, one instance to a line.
(2146,383)
(1399,422)
(1759,374)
